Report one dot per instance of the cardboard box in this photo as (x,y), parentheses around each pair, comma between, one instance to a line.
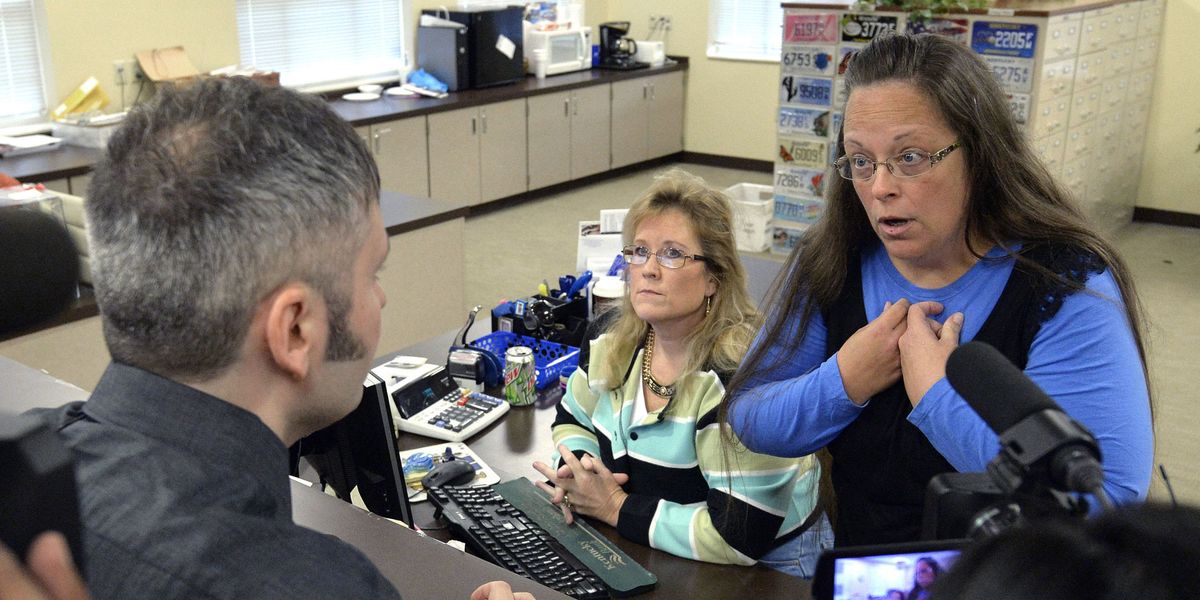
(167,64)
(753,205)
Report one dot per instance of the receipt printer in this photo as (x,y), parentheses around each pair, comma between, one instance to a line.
(468,367)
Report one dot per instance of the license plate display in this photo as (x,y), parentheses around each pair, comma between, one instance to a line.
(809,27)
(794,89)
(1019,105)
(794,181)
(995,38)
(804,121)
(1014,74)
(806,153)
(864,28)
(798,210)
(846,54)
(806,60)
(955,29)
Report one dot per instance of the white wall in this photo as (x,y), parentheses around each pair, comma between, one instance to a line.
(730,105)
(1171,168)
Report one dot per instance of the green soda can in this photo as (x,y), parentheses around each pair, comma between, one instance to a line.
(520,381)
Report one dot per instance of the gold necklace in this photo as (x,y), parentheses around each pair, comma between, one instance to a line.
(660,390)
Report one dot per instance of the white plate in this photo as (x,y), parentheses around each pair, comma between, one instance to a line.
(400,92)
(360,97)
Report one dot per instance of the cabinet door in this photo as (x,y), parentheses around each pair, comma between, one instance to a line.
(364,134)
(503,150)
(664,127)
(403,158)
(454,155)
(629,100)
(590,120)
(550,139)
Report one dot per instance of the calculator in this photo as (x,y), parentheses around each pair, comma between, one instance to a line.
(436,406)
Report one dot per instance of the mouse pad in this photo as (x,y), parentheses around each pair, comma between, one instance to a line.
(484,475)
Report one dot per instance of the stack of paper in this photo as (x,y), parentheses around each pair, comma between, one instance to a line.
(16,146)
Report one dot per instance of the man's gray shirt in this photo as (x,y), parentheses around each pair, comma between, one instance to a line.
(184,495)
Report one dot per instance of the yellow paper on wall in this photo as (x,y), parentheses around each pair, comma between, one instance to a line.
(89,96)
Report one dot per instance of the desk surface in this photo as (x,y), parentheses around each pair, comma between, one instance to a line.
(419,566)
(512,444)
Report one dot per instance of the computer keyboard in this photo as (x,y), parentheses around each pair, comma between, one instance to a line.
(505,535)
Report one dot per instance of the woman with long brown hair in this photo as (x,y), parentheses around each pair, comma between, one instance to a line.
(942,226)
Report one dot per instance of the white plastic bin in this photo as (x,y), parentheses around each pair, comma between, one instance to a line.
(753,206)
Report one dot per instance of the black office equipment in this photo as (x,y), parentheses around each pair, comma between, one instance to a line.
(617,51)
(360,451)
(514,525)
(555,320)
(442,52)
(495,41)
(1044,454)
(39,269)
(448,473)
(39,490)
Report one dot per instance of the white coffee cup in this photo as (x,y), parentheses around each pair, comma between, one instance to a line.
(607,293)
(370,88)
(539,57)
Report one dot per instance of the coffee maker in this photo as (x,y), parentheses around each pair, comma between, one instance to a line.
(616,50)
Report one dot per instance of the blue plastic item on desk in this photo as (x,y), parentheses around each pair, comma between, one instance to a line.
(579,285)
(422,79)
(550,360)
(617,265)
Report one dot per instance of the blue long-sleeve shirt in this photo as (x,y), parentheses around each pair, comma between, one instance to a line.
(1084,357)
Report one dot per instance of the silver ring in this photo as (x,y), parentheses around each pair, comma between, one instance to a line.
(566,501)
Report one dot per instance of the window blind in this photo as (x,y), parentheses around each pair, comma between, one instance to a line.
(745,29)
(323,44)
(22,94)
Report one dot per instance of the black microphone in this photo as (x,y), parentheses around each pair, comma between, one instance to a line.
(39,269)
(1036,436)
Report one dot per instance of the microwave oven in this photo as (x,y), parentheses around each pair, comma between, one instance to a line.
(566,50)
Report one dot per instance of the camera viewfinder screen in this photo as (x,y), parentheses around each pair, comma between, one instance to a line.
(889,577)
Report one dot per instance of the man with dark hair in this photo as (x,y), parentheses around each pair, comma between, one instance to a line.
(236,238)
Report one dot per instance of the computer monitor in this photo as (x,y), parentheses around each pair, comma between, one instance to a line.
(361,451)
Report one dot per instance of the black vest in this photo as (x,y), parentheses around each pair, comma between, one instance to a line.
(881,462)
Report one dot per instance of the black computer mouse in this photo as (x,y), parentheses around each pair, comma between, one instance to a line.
(451,472)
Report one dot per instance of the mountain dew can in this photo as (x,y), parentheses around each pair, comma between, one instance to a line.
(520,381)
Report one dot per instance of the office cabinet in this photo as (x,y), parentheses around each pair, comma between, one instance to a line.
(647,118)
(478,154)
(568,135)
(1077,77)
(76,185)
(401,153)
